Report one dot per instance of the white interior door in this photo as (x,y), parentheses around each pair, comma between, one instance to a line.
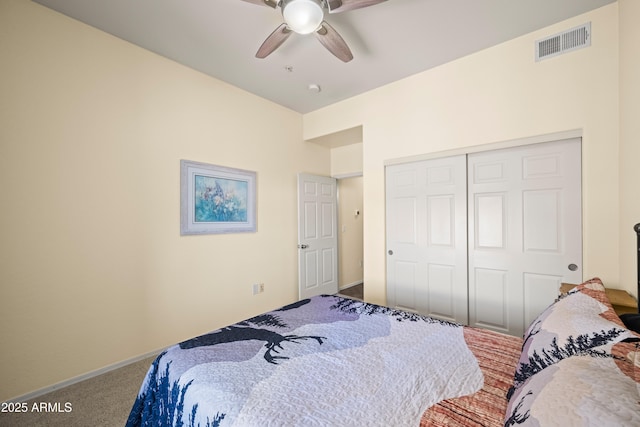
(426,237)
(317,236)
(525,231)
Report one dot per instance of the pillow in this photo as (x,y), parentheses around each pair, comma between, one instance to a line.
(579,390)
(579,324)
(596,290)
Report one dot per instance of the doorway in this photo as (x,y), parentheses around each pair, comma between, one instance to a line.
(345,147)
(350,237)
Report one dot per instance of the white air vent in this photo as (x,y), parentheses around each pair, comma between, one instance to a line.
(567,41)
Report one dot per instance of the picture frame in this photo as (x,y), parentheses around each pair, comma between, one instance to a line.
(216,199)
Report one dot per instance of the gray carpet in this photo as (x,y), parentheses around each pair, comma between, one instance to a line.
(101,401)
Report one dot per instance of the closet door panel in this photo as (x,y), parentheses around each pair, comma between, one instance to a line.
(441,290)
(489,218)
(539,244)
(429,231)
(542,221)
(445,239)
(403,228)
(441,220)
(539,290)
(490,305)
(406,294)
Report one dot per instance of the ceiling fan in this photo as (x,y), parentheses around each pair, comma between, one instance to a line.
(306,17)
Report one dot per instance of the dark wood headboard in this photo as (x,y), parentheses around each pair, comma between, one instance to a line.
(637,230)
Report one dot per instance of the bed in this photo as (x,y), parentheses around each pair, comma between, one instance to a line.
(334,361)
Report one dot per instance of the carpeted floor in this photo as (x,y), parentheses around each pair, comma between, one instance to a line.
(101,401)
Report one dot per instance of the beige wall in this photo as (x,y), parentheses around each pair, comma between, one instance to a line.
(93,270)
(350,240)
(629,140)
(346,160)
(498,94)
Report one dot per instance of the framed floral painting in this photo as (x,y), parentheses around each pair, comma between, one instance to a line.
(216,199)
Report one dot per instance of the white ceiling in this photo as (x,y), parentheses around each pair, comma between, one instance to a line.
(389,41)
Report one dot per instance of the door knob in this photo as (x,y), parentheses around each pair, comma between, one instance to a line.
(390,252)
(573,267)
(303,246)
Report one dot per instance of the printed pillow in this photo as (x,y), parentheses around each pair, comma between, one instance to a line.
(596,290)
(579,390)
(578,324)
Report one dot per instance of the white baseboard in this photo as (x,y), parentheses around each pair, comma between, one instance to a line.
(79,378)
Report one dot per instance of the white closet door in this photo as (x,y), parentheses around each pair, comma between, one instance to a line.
(525,231)
(426,237)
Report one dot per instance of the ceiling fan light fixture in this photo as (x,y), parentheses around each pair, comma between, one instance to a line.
(303,16)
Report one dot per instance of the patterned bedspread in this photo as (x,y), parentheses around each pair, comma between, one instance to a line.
(320,362)
(497,355)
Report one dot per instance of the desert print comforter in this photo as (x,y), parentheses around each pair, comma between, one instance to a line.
(324,361)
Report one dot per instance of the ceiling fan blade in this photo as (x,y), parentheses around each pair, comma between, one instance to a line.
(333,42)
(274,41)
(336,6)
(270,3)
